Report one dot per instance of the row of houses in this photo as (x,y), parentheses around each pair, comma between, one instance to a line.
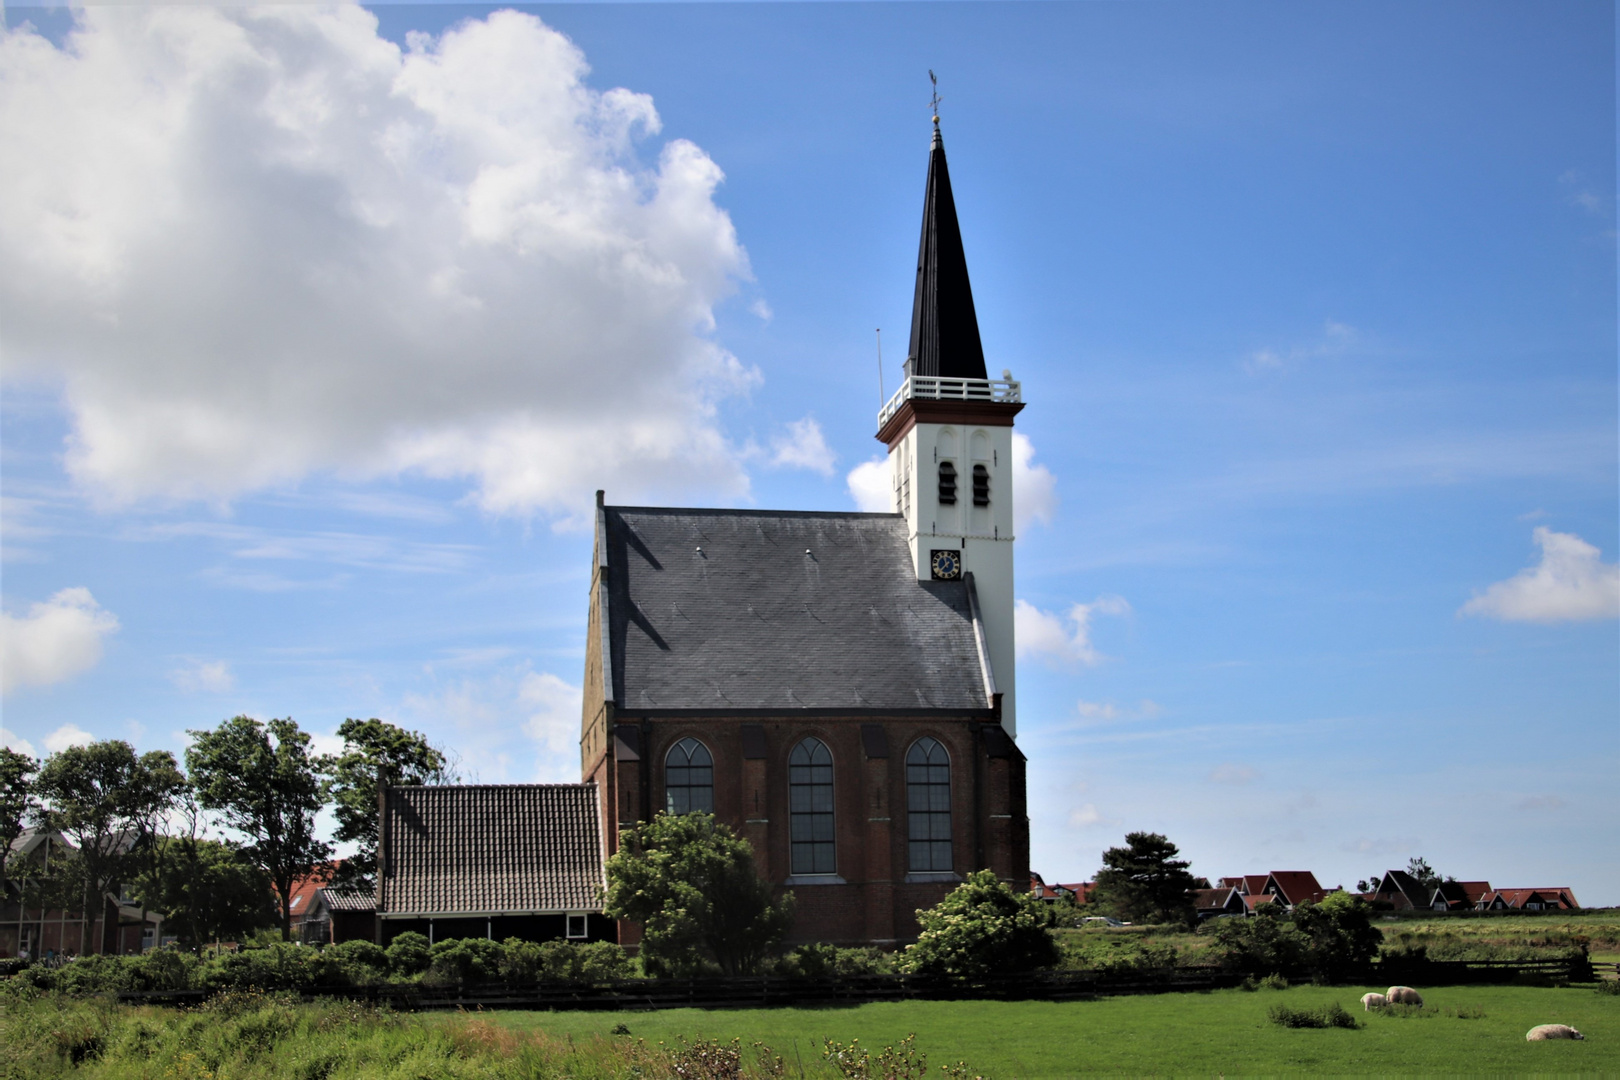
(1397,891)
(117,926)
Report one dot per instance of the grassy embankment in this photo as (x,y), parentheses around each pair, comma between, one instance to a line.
(1464,1029)
(1485,936)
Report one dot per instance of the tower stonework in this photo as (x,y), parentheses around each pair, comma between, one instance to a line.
(949,433)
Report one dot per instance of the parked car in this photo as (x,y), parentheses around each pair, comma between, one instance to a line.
(1104,920)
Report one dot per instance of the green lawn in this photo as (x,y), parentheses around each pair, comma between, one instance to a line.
(1220,1032)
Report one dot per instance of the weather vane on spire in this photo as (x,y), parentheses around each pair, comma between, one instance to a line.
(933,102)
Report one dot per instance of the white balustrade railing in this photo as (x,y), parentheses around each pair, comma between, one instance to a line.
(934,388)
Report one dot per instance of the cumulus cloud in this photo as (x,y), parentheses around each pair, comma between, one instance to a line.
(553,722)
(1034,486)
(803,446)
(65,736)
(55,641)
(486,713)
(1230,773)
(1570,582)
(203,676)
(254,243)
(1062,638)
(869,486)
(13,741)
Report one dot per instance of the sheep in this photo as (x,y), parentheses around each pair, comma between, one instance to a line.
(1543,1032)
(1369,1002)
(1404,995)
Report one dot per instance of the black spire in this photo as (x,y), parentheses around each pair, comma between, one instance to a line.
(944,329)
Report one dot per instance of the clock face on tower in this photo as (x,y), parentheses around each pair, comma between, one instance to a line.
(947,565)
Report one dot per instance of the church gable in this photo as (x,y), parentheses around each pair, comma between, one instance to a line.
(726,611)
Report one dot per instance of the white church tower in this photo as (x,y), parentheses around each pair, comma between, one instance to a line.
(949,434)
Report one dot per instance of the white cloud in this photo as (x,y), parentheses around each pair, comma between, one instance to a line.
(204,677)
(1571,582)
(12,741)
(1336,338)
(67,735)
(553,723)
(1230,773)
(869,487)
(803,446)
(1034,486)
(255,243)
(1104,712)
(56,640)
(1087,816)
(514,725)
(1062,638)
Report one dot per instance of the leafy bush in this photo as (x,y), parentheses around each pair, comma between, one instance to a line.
(982,926)
(464,961)
(1339,933)
(1331,1015)
(824,961)
(408,954)
(281,966)
(1113,954)
(357,963)
(1610,987)
(563,961)
(1265,944)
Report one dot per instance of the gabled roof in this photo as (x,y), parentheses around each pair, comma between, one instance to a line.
(726,612)
(302,900)
(1399,881)
(1224,898)
(1518,898)
(944,328)
(490,850)
(1248,884)
(1296,886)
(1460,894)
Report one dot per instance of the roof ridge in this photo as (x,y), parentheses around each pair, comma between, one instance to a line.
(742,512)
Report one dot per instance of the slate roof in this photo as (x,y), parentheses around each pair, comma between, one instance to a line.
(944,328)
(490,850)
(769,612)
(348,900)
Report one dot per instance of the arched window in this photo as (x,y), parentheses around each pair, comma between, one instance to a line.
(947,484)
(810,802)
(981,486)
(928,805)
(688,778)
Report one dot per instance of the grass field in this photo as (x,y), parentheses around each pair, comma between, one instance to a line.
(1220,1032)
(1225,1032)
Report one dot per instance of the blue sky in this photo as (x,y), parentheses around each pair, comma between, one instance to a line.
(319,334)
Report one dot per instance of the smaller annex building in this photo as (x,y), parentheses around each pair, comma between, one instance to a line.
(491,860)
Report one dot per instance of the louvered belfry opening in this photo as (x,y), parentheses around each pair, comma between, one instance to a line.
(981,486)
(947,484)
(944,328)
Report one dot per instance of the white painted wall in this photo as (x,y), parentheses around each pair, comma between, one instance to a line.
(984,534)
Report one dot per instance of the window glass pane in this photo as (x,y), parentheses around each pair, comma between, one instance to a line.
(810,805)
(688,778)
(928,803)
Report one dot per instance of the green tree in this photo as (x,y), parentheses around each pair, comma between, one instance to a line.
(1145,882)
(209,890)
(1339,934)
(265,784)
(982,927)
(369,748)
(1266,943)
(691,883)
(18,804)
(101,797)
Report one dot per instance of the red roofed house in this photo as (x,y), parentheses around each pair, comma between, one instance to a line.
(1225,900)
(1460,895)
(1544,899)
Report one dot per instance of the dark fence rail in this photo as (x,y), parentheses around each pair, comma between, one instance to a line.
(773,990)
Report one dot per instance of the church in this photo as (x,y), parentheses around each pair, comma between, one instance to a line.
(839,688)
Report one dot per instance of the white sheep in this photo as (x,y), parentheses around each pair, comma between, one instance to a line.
(1403,995)
(1543,1032)
(1369,1002)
